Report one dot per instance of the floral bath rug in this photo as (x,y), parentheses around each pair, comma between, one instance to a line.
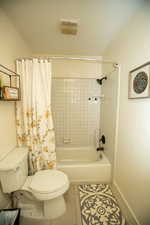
(98,205)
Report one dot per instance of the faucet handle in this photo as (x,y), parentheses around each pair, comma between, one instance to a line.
(102,139)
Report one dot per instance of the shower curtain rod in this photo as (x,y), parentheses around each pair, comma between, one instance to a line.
(80,78)
(86,78)
(70,58)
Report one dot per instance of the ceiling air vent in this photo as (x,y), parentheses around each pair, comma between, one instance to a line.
(68,27)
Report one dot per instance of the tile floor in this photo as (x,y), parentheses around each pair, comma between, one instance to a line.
(99,206)
(72,215)
(73,212)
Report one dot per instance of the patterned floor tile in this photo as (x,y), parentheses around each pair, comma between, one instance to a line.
(98,205)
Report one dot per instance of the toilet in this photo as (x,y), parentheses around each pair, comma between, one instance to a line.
(38,196)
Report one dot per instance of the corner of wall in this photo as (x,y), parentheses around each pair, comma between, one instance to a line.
(127,211)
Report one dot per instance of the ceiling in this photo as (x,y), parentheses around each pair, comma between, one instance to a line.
(99,23)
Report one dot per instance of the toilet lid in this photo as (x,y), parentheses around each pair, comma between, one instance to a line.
(47,181)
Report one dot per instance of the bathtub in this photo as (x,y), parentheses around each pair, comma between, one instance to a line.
(83,164)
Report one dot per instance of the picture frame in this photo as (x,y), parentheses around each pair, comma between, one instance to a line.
(10,93)
(139,82)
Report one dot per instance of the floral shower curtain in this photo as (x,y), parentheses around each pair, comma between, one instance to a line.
(33,114)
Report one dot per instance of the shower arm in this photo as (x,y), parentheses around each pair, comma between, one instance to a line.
(100,81)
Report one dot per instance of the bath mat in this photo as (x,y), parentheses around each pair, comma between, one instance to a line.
(98,205)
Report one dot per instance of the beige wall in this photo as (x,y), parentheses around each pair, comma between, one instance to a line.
(74,68)
(11,47)
(77,69)
(109,109)
(132,172)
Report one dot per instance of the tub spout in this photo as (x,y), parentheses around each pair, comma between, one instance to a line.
(100,149)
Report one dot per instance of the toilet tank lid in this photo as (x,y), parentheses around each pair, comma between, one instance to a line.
(12,159)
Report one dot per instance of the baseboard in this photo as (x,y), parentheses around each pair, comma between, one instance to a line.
(125,207)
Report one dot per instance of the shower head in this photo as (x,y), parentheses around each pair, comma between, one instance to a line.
(100,81)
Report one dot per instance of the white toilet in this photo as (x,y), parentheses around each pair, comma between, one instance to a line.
(40,195)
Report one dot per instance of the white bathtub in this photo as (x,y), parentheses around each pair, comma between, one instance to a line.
(83,164)
(84,154)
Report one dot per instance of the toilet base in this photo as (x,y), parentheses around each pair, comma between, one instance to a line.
(31,208)
(54,208)
(33,221)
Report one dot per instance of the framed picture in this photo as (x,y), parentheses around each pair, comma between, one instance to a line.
(10,93)
(139,82)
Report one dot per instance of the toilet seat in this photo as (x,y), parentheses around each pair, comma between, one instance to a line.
(48,184)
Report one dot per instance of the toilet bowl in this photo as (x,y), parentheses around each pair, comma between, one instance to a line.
(42,193)
(49,186)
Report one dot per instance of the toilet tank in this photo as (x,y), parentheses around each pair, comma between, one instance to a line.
(14,170)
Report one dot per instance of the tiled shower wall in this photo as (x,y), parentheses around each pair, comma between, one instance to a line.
(76,111)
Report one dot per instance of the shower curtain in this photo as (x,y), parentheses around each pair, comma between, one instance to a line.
(33,114)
